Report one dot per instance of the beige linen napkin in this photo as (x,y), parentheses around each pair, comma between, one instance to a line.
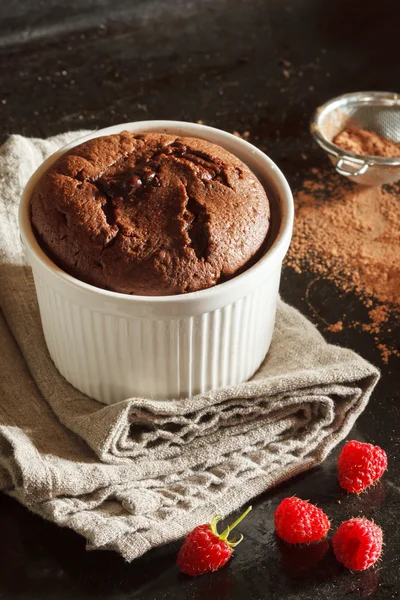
(142,473)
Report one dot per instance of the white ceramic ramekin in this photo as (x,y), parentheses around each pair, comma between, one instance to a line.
(115,346)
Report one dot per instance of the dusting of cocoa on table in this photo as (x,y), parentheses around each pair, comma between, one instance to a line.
(387,352)
(362,141)
(378,316)
(335,327)
(350,234)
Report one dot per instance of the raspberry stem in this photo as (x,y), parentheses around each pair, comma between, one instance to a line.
(224,535)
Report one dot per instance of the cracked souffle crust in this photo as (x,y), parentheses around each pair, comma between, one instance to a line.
(150,214)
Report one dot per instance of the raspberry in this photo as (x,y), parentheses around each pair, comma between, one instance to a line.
(357,544)
(360,465)
(204,549)
(299,522)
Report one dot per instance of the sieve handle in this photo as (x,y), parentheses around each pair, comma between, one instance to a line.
(348,172)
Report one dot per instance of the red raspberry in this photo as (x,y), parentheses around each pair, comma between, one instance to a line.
(358,543)
(360,465)
(204,549)
(299,522)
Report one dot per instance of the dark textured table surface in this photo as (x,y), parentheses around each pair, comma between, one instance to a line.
(92,63)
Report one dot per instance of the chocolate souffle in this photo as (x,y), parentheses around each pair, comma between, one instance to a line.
(150,214)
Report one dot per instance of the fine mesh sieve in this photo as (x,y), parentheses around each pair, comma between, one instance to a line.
(375,111)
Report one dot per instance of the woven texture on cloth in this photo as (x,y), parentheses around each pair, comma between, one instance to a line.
(141,473)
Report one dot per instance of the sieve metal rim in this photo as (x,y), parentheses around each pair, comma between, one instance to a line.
(382,98)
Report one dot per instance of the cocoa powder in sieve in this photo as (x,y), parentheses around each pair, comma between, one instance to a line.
(350,235)
(362,141)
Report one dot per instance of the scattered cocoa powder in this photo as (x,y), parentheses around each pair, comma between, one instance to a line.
(335,327)
(362,141)
(350,235)
(378,316)
(386,352)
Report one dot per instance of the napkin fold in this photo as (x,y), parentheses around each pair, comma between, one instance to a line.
(142,472)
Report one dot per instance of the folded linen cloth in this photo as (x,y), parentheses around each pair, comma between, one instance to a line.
(142,473)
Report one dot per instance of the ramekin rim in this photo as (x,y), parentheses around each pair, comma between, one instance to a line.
(277,250)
